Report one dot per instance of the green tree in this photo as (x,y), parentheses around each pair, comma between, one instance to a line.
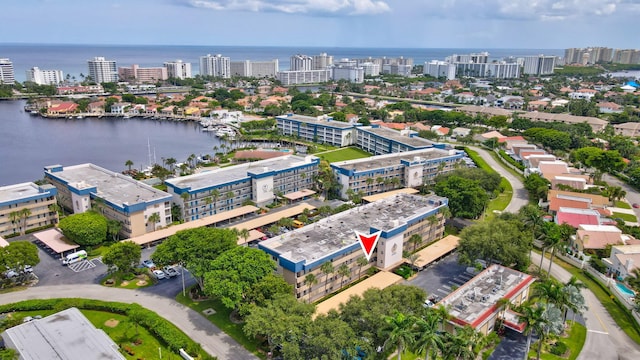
(234,272)
(310,280)
(268,288)
(13,217)
(195,249)
(18,254)
(24,215)
(537,186)
(327,269)
(123,256)
(416,239)
(128,164)
(428,339)
(400,332)
(113,229)
(154,219)
(361,262)
(85,229)
(343,271)
(466,197)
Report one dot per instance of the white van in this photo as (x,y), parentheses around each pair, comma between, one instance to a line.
(75,257)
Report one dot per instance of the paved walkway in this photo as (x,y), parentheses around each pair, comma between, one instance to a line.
(605,339)
(196,326)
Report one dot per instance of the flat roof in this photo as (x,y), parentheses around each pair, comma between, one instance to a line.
(18,191)
(397,136)
(315,241)
(384,195)
(381,280)
(272,217)
(382,161)
(317,121)
(437,250)
(473,302)
(299,194)
(116,188)
(253,235)
(3,242)
(206,221)
(66,335)
(54,240)
(225,175)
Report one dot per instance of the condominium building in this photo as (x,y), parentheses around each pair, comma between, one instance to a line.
(397,170)
(7,75)
(334,240)
(476,58)
(539,65)
(379,141)
(587,56)
(627,56)
(301,62)
(439,69)
(26,206)
(397,69)
(215,65)
(138,74)
(321,129)
(370,68)
(322,61)
(45,77)
(347,69)
(178,69)
(212,192)
(304,77)
(119,197)
(258,69)
(102,70)
(499,70)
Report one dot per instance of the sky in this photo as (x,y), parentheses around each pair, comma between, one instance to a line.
(550,24)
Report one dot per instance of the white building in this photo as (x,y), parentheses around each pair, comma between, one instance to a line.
(301,62)
(440,69)
(258,69)
(304,77)
(371,68)
(348,70)
(215,65)
(178,69)
(102,70)
(322,61)
(45,77)
(7,76)
(539,65)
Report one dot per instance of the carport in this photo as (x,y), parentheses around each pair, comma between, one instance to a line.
(55,242)
(436,251)
(3,242)
(253,235)
(298,195)
(376,197)
(272,217)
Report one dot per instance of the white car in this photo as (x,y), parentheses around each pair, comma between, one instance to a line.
(159,274)
(170,271)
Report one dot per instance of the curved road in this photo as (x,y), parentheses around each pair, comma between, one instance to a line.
(605,340)
(196,326)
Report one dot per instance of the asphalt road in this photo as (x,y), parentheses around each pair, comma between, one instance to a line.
(605,340)
(520,196)
(632,197)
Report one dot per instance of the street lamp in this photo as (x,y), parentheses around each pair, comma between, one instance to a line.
(182,273)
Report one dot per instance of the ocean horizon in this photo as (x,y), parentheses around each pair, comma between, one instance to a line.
(72,58)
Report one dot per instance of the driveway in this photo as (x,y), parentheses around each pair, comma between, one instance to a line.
(195,325)
(632,197)
(441,278)
(605,340)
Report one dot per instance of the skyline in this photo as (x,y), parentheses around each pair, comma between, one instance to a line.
(326,23)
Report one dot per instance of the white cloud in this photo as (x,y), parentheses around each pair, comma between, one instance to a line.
(319,7)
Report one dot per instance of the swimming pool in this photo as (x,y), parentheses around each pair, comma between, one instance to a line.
(625,290)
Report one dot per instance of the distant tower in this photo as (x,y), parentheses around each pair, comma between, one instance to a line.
(301,62)
(102,71)
(7,75)
(215,65)
(178,69)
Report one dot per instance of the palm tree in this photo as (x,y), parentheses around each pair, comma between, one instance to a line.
(343,270)
(533,316)
(369,181)
(380,181)
(428,338)
(286,222)
(244,233)
(361,262)
(433,221)
(13,217)
(415,239)
(171,162)
(310,280)
(327,268)
(128,164)
(24,214)
(400,332)
(215,194)
(442,313)
(191,159)
(154,219)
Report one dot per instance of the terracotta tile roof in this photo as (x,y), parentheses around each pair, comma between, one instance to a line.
(556,203)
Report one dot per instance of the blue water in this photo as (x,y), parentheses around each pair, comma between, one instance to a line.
(72,59)
(623,289)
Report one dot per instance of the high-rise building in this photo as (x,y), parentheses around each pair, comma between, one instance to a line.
(45,77)
(439,69)
(178,69)
(588,56)
(215,65)
(322,61)
(301,62)
(304,77)
(7,76)
(627,56)
(258,69)
(142,75)
(102,71)
(347,69)
(476,58)
(539,65)
(370,68)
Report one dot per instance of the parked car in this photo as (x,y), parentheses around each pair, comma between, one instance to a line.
(28,269)
(159,274)
(170,271)
(10,274)
(149,263)
(636,205)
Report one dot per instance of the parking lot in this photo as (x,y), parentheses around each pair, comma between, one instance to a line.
(441,278)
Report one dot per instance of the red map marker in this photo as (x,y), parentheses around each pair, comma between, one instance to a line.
(368,242)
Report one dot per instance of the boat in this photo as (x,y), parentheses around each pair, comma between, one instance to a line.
(79,117)
(126,116)
(210,128)
(225,131)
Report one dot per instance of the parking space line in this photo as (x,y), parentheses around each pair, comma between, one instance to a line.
(447,287)
(444,292)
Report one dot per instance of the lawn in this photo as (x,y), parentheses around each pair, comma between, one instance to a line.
(622,205)
(574,340)
(501,201)
(625,217)
(131,281)
(343,154)
(620,315)
(221,320)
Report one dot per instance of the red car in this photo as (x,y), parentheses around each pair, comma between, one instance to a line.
(636,205)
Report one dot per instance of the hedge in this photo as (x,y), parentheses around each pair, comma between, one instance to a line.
(510,160)
(158,326)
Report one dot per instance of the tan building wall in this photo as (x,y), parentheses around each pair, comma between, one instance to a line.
(41,215)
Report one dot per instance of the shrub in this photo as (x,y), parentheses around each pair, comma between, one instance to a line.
(559,348)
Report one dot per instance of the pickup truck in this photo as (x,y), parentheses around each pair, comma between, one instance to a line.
(171,271)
